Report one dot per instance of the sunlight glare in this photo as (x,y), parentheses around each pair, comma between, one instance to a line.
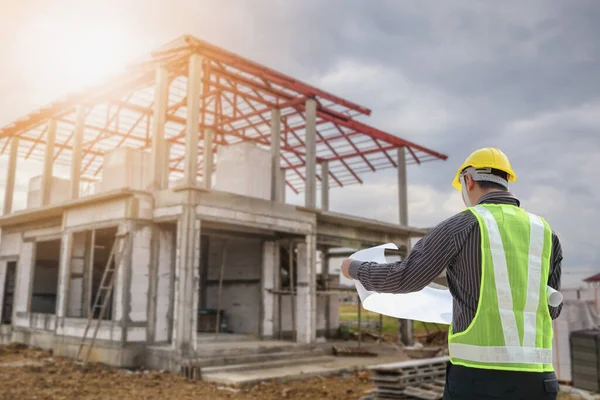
(82,53)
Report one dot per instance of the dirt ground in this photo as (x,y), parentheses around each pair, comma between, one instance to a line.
(35,374)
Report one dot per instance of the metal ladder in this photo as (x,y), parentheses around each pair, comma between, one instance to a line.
(104,292)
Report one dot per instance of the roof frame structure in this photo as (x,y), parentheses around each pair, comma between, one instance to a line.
(236,102)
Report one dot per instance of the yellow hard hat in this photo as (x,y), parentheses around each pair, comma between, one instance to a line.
(488,157)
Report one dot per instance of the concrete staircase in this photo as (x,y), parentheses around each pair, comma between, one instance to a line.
(228,362)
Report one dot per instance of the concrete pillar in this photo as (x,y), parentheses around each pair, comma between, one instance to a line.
(88,277)
(64,273)
(325,185)
(306,301)
(160,315)
(25,268)
(402,187)
(281,186)
(325,277)
(76,279)
(48,165)
(204,259)
(165,165)
(77,152)
(3,269)
(275,153)
(311,154)
(270,269)
(406,326)
(186,281)
(11,173)
(161,99)
(208,158)
(194,89)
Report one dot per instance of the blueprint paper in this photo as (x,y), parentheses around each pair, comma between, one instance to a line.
(428,305)
(431,304)
(554,297)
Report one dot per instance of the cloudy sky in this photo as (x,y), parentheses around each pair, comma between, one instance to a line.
(451,75)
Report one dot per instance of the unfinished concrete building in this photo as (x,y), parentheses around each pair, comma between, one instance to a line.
(182,162)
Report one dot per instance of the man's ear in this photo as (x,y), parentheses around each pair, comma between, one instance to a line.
(469,181)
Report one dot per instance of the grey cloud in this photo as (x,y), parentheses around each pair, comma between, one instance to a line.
(521,76)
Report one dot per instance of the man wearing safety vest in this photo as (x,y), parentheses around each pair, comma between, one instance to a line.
(499,260)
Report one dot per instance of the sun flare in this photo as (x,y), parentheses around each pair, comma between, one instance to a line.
(84,52)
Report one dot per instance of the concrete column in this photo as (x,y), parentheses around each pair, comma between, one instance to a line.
(3,269)
(306,299)
(325,277)
(76,153)
(161,98)
(275,153)
(406,326)
(46,184)
(64,273)
(90,241)
(281,186)
(164,184)
(186,281)
(11,173)
(402,187)
(270,269)
(76,279)
(208,158)
(311,154)
(325,185)
(194,89)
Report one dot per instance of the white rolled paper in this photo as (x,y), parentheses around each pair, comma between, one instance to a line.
(554,297)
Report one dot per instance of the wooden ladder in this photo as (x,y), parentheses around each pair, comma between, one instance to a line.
(104,292)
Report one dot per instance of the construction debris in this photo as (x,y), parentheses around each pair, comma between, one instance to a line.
(352,351)
(422,379)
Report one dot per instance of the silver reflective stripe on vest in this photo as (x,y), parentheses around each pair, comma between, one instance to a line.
(534,277)
(505,303)
(501,354)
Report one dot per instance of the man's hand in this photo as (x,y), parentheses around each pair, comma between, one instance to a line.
(345,267)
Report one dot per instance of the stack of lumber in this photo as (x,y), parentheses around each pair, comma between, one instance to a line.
(408,380)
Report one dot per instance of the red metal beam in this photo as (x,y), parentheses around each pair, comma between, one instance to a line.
(342,157)
(270,74)
(355,148)
(268,109)
(38,140)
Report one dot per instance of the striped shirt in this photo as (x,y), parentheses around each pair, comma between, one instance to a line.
(453,245)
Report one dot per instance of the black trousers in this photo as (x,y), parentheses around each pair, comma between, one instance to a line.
(464,383)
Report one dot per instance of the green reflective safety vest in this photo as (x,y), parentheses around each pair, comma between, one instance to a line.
(512,328)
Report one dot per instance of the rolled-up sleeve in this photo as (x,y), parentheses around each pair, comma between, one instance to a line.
(427,260)
(555,272)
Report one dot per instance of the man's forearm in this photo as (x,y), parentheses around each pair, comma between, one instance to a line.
(430,256)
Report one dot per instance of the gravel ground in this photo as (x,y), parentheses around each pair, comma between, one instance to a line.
(35,374)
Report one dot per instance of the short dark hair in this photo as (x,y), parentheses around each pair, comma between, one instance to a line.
(493,185)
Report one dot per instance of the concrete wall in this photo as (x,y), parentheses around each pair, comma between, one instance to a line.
(286,314)
(139,274)
(245,169)
(59,191)
(10,244)
(241,297)
(126,167)
(76,292)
